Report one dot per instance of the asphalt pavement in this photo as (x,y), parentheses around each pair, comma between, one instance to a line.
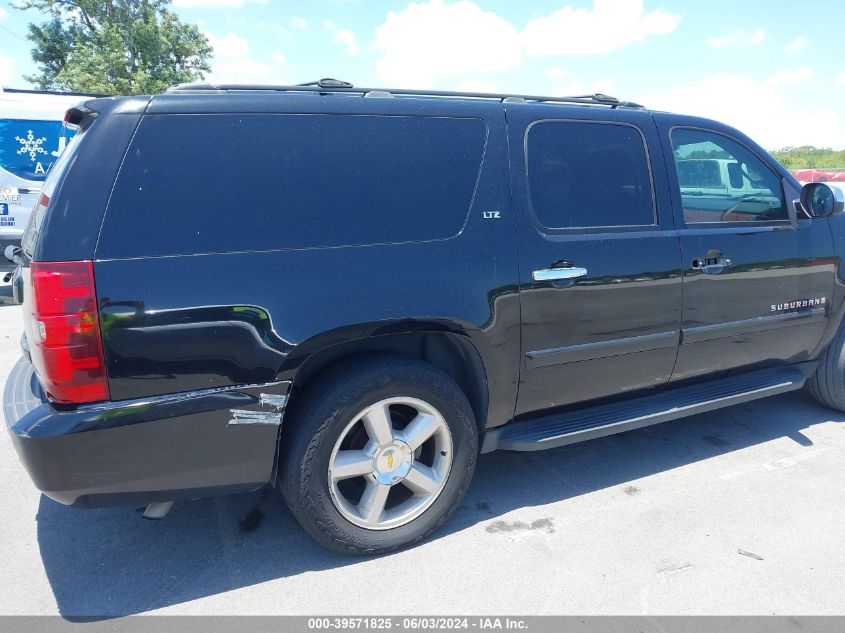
(738,511)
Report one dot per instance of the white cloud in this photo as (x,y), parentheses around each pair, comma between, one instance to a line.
(344,37)
(577,86)
(297,22)
(228,46)
(431,39)
(791,76)
(609,26)
(3,13)
(840,79)
(7,69)
(233,62)
(275,27)
(567,84)
(279,59)
(738,38)
(215,4)
(719,42)
(476,85)
(772,115)
(797,45)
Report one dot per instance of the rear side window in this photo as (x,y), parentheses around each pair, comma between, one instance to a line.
(588,175)
(51,184)
(222,183)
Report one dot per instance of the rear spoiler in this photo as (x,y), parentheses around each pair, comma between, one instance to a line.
(77,114)
(81,114)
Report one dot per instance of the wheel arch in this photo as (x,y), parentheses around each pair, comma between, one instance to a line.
(452,353)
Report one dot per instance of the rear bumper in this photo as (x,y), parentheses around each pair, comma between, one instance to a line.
(179,446)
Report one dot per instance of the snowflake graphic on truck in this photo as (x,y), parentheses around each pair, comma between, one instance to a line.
(31,145)
(27,149)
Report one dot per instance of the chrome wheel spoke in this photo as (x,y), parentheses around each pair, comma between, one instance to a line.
(348,464)
(378,424)
(372,502)
(422,480)
(384,457)
(419,430)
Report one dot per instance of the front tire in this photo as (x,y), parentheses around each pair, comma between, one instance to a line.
(377,454)
(827,385)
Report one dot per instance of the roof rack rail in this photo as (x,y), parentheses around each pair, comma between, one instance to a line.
(328,85)
(327,82)
(58,93)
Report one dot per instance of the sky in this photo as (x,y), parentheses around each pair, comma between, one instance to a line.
(775,69)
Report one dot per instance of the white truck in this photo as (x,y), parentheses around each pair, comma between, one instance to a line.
(716,175)
(706,183)
(32,136)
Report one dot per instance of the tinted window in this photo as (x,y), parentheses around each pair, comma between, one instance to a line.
(54,177)
(722,181)
(218,183)
(583,175)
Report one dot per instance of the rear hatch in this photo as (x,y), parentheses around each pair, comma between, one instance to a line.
(55,280)
(61,329)
(42,199)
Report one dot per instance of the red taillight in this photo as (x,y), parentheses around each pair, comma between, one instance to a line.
(64,333)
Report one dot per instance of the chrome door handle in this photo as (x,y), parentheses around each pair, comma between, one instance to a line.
(558,274)
(711,265)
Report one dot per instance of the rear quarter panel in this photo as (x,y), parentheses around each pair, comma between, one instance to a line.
(180,323)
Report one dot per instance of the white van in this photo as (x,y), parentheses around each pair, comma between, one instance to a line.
(32,136)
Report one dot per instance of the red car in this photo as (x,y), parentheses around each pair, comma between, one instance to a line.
(818,175)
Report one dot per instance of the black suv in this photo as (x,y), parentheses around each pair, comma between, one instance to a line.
(350,294)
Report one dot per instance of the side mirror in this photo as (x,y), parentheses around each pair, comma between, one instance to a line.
(821,200)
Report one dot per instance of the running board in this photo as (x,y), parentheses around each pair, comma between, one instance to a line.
(602,420)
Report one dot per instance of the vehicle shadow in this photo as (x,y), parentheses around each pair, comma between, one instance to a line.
(108,563)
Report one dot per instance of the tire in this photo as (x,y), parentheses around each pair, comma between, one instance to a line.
(345,413)
(827,385)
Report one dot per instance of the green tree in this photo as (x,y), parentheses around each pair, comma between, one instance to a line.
(114,46)
(810,157)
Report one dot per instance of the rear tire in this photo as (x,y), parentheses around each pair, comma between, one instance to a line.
(827,385)
(377,454)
